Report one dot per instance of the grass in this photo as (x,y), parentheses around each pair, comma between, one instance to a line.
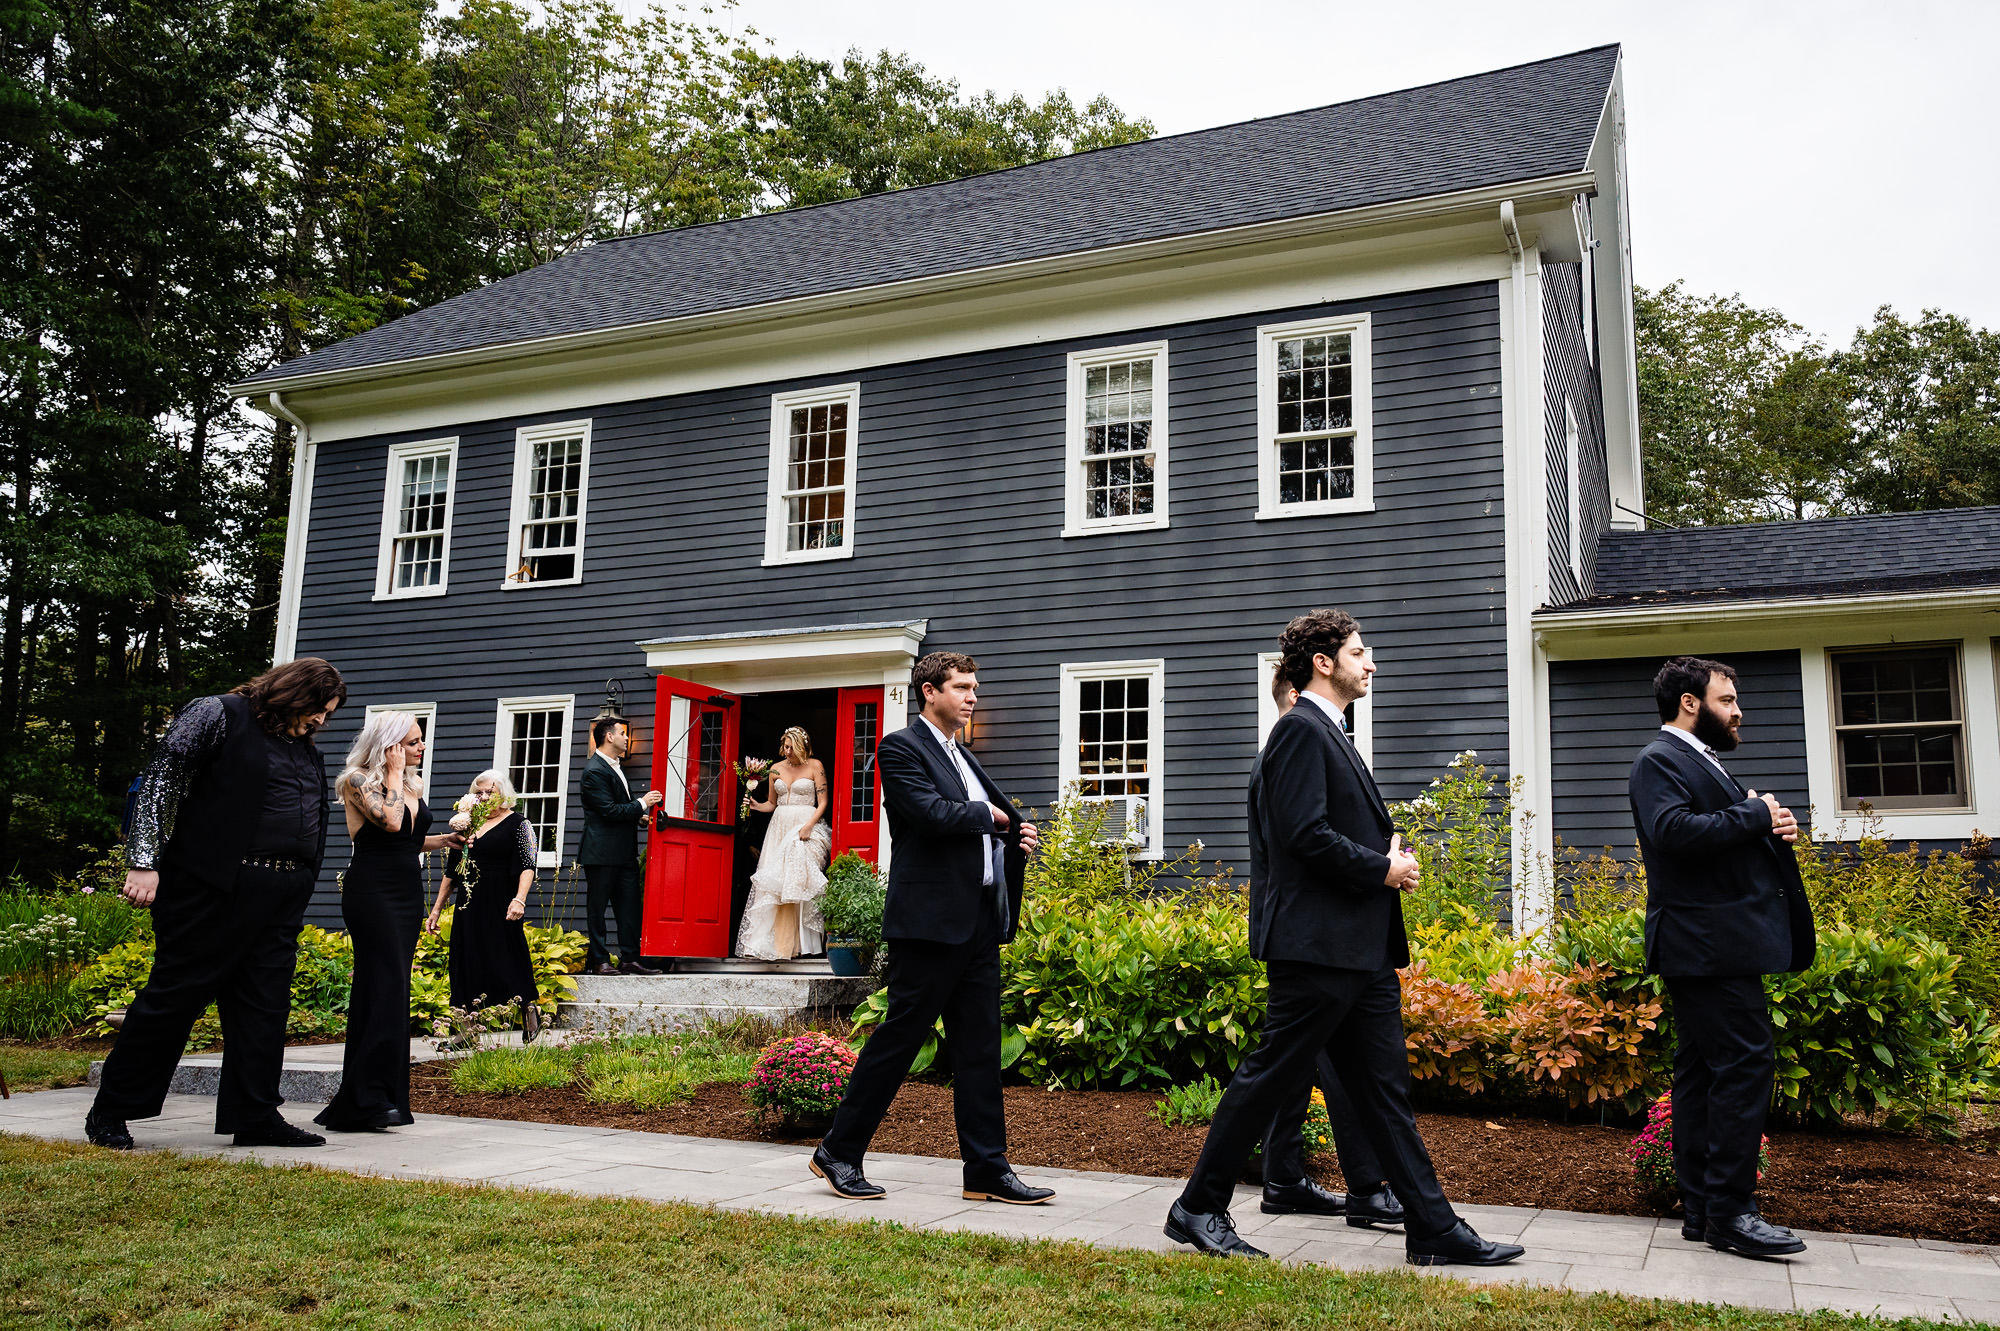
(39,1068)
(644,1071)
(100,1239)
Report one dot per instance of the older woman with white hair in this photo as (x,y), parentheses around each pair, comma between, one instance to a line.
(488,883)
(382,902)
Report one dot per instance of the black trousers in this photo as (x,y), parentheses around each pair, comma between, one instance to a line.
(961,983)
(619,887)
(1356,1017)
(1284,1140)
(1725,1056)
(236,949)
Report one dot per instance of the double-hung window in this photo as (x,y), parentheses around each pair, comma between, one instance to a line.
(415,556)
(551,490)
(810,508)
(1116,477)
(531,745)
(1315,443)
(1899,728)
(1112,733)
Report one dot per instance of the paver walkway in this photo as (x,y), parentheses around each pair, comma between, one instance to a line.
(1629,1255)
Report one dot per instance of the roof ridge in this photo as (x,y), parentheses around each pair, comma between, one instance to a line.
(907,190)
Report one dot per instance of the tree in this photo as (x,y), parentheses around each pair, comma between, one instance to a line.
(1926,409)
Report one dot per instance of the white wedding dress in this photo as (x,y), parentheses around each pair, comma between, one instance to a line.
(790,873)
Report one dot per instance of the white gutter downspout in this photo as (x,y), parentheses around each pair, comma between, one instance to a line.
(292,573)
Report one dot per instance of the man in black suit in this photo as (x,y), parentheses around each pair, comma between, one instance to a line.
(228,831)
(1288,1189)
(1326,918)
(1724,908)
(609,851)
(959,851)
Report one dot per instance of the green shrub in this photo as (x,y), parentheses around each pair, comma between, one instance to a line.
(1461,830)
(855,896)
(1912,894)
(47,939)
(1192,1105)
(654,1071)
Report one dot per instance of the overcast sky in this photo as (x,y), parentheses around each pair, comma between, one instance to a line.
(1822,157)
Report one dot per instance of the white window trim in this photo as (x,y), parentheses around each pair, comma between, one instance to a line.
(1069,735)
(1981,703)
(1267,710)
(392,495)
(525,440)
(1363,499)
(1573,466)
(1074,521)
(503,735)
(782,406)
(428,713)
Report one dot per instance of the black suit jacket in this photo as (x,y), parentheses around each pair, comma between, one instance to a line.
(937,852)
(610,816)
(1723,895)
(1319,850)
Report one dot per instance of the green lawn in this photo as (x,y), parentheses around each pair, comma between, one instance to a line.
(30,1067)
(97,1239)
(645,1071)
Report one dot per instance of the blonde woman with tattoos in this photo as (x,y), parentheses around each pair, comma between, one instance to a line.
(382,903)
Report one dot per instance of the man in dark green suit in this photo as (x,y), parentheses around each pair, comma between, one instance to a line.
(610,853)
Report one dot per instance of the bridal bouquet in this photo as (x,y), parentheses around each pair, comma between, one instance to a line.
(474,810)
(749,771)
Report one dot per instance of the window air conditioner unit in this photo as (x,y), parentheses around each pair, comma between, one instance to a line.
(1124,819)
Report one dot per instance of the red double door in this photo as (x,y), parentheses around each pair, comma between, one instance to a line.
(691,848)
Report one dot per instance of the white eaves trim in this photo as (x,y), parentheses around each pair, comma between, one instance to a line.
(1482,200)
(1581,633)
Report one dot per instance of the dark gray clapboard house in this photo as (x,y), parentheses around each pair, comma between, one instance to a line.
(1103,422)
(1866,647)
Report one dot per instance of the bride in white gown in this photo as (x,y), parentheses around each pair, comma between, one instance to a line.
(781,919)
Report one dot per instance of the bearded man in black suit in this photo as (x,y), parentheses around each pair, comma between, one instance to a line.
(959,853)
(1724,908)
(1327,871)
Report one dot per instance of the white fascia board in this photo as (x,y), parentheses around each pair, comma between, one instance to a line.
(849,650)
(1617,335)
(1481,200)
(777,343)
(1591,635)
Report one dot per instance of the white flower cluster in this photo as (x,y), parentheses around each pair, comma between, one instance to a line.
(1463,760)
(50,940)
(461,819)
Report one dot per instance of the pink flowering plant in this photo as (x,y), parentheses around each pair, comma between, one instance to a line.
(1652,1151)
(800,1077)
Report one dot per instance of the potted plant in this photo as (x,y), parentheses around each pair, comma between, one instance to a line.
(852,913)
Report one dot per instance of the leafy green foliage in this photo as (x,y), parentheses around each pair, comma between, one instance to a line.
(654,1071)
(508,1071)
(1192,1105)
(1460,828)
(855,896)
(46,941)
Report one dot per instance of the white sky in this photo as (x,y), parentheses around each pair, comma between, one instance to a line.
(1823,157)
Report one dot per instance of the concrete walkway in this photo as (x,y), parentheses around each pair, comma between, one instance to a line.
(1628,1255)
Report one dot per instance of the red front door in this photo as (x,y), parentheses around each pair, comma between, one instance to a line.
(856,798)
(691,849)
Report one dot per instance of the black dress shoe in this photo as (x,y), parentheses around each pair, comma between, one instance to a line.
(105,1131)
(1213,1234)
(1007,1188)
(1459,1246)
(1379,1207)
(636,968)
(1302,1198)
(845,1180)
(278,1133)
(604,968)
(1694,1226)
(1751,1235)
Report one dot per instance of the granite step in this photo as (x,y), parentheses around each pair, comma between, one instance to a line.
(636,1004)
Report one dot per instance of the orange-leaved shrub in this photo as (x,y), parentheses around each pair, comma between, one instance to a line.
(1563,1030)
(1447,1030)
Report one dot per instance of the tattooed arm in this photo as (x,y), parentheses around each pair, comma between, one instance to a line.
(380,805)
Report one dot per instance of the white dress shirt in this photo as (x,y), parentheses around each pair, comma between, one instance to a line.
(1339,717)
(974,789)
(1688,737)
(619,770)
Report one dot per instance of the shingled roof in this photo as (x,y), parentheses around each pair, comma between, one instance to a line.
(1524,123)
(1826,557)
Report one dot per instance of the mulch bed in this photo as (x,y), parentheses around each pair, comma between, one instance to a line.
(1858,1182)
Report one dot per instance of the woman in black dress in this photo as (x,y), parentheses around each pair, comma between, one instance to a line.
(488,884)
(382,902)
